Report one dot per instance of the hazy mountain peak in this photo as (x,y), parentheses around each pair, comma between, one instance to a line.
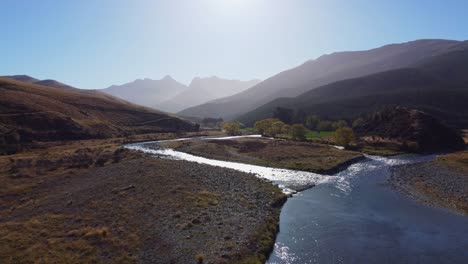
(146,91)
(167,78)
(204,89)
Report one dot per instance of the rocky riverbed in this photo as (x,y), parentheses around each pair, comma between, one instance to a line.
(434,183)
(93,202)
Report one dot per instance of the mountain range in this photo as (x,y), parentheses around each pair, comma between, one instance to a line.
(322,71)
(171,96)
(437,84)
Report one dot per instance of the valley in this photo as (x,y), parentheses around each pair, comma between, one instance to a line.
(352,157)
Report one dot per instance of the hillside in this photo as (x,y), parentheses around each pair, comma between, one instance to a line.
(29,79)
(202,90)
(147,92)
(437,85)
(30,112)
(324,70)
(418,131)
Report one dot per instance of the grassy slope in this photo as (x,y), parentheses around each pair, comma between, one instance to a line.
(32,112)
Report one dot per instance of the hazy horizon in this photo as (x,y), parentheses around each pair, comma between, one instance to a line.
(90,44)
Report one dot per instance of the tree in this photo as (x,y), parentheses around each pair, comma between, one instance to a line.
(264,126)
(339,124)
(299,116)
(232,128)
(344,136)
(298,132)
(358,122)
(276,128)
(284,114)
(324,126)
(312,122)
(286,129)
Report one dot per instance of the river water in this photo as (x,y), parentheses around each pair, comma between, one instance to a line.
(354,216)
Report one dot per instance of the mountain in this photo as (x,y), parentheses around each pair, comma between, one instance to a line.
(55,84)
(324,70)
(29,79)
(31,112)
(437,84)
(202,90)
(22,78)
(147,92)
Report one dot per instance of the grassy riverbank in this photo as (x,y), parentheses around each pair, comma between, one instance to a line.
(305,156)
(91,201)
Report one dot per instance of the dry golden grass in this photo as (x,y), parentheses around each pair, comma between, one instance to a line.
(45,239)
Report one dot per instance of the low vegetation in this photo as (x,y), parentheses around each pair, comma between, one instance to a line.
(305,156)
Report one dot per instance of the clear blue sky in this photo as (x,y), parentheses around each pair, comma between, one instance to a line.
(96,43)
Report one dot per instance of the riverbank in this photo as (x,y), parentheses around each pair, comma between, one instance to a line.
(285,154)
(92,201)
(443,182)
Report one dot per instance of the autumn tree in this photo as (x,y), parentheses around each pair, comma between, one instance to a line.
(298,132)
(344,136)
(232,128)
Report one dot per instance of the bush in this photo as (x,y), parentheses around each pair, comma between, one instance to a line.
(276,128)
(298,132)
(286,129)
(264,127)
(344,136)
(232,128)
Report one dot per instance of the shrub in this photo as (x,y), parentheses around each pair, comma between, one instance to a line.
(264,127)
(344,136)
(286,129)
(276,128)
(298,132)
(232,128)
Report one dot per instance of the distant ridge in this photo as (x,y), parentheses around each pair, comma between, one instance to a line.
(324,70)
(437,85)
(147,92)
(202,90)
(29,79)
